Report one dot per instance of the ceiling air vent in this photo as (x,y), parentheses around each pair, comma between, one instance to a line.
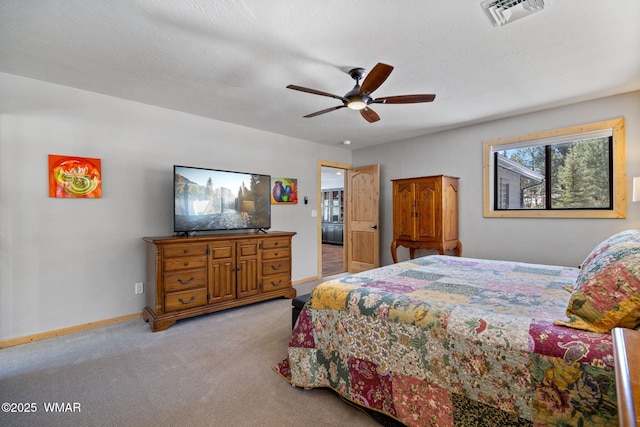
(501,12)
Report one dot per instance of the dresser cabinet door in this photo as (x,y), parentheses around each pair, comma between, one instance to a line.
(248,274)
(222,271)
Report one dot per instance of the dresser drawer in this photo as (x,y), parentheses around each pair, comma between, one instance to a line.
(268,254)
(198,249)
(184,300)
(220,251)
(274,283)
(248,249)
(276,266)
(184,280)
(173,264)
(275,243)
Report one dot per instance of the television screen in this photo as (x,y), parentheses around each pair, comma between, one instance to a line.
(210,200)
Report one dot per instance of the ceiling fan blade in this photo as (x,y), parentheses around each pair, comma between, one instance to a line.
(369,115)
(404,99)
(327,110)
(316,92)
(375,78)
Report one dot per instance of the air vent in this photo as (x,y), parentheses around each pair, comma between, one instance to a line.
(502,12)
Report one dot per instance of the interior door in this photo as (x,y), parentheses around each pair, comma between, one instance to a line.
(362,212)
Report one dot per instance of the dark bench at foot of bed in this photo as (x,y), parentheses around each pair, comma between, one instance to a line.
(298,302)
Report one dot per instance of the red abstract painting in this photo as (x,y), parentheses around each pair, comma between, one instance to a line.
(74,177)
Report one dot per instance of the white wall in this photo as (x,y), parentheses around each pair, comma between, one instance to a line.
(459,153)
(67,262)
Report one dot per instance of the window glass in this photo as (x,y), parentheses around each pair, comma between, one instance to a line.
(522,169)
(568,175)
(581,175)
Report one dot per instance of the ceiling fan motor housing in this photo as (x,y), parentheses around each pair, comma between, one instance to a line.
(357,73)
(357,101)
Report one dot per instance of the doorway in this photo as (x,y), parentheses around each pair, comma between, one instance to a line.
(360,206)
(332,232)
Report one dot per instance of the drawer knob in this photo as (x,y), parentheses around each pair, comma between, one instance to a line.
(186,282)
(276,268)
(186,251)
(276,284)
(187,302)
(186,263)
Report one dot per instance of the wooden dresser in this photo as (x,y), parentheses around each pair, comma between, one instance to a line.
(425,214)
(190,276)
(626,354)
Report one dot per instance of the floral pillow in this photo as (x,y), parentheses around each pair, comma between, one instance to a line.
(607,290)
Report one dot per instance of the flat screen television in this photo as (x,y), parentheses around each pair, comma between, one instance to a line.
(213,200)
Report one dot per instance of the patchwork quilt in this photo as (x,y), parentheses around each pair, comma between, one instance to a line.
(451,341)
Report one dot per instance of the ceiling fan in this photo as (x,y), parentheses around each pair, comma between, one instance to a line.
(359,97)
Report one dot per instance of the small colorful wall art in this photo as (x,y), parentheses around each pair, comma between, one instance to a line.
(284,191)
(74,177)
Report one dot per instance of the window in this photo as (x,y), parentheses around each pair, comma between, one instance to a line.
(556,175)
(575,172)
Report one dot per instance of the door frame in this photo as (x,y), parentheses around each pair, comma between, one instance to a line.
(329,164)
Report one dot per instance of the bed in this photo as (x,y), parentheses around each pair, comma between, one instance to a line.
(442,341)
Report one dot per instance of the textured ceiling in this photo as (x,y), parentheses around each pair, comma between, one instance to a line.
(231,60)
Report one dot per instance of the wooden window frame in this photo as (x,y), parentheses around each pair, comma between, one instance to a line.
(619,209)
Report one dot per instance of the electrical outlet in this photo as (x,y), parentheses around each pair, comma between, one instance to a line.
(139,288)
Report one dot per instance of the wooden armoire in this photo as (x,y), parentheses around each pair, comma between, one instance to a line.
(425,214)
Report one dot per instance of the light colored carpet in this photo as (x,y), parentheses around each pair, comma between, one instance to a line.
(213,370)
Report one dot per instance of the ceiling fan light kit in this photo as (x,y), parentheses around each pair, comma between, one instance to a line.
(359,97)
(356,104)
